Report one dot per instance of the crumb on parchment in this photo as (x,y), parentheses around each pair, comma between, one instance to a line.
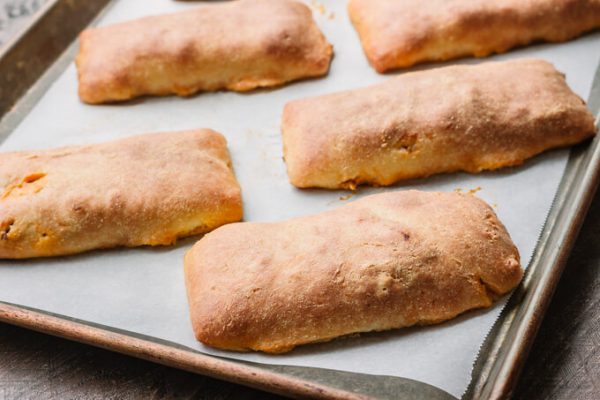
(343,197)
(320,8)
(469,191)
(315,5)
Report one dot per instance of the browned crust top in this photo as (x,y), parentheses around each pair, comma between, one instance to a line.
(463,117)
(238,45)
(142,190)
(401,33)
(386,261)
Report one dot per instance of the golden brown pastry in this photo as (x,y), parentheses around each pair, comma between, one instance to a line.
(387,261)
(401,33)
(144,190)
(238,45)
(458,118)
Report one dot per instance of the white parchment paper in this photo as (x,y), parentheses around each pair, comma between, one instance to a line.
(142,290)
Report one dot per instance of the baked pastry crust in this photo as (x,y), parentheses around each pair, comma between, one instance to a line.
(143,190)
(401,33)
(457,118)
(239,45)
(386,261)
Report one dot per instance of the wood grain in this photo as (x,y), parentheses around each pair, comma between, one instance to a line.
(38,366)
(564,362)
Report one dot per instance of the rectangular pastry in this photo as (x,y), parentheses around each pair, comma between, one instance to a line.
(401,33)
(238,45)
(457,118)
(386,261)
(143,190)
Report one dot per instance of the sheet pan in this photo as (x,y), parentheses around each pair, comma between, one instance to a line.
(140,293)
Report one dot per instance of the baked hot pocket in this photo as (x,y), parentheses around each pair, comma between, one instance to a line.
(386,261)
(144,190)
(457,118)
(401,33)
(238,45)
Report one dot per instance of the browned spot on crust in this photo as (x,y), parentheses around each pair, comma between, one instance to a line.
(5,228)
(33,177)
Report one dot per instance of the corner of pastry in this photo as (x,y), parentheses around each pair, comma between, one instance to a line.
(377,53)
(299,41)
(380,60)
(88,91)
(98,79)
(386,261)
(305,154)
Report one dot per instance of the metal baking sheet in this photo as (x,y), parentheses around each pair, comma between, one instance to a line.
(141,291)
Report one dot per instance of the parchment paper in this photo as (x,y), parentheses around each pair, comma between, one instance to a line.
(142,290)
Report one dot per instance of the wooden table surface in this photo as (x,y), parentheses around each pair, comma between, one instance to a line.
(564,362)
